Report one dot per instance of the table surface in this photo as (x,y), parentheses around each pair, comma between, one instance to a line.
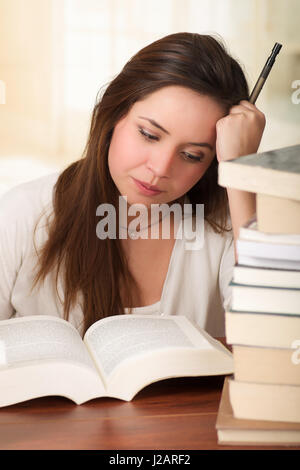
(172,414)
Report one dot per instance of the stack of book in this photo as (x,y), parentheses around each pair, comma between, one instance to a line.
(261,402)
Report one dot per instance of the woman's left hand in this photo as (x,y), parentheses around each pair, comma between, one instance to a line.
(240,132)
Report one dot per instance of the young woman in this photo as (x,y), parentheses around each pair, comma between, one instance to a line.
(178,107)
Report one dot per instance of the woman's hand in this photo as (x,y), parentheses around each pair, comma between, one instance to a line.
(240,132)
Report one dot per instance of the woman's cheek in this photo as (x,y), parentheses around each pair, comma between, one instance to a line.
(126,152)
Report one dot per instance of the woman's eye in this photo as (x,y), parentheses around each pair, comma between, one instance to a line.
(192,158)
(146,135)
(187,156)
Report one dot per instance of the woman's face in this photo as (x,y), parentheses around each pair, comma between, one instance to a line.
(166,140)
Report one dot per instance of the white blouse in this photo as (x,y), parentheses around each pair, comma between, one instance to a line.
(196,285)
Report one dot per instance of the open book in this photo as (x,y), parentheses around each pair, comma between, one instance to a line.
(42,355)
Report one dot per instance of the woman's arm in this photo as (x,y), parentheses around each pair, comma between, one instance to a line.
(9,260)
(239,133)
(242,207)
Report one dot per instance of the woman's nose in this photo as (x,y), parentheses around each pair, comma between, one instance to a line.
(161,164)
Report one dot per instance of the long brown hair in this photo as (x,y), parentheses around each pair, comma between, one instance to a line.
(94,267)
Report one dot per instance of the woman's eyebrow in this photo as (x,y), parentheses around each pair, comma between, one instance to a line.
(155,124)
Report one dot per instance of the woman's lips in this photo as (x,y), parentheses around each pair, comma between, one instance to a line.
(146,190)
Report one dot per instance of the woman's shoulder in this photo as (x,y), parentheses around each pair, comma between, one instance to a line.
(27,200)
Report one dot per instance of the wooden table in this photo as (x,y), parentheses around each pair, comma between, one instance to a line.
(171,414)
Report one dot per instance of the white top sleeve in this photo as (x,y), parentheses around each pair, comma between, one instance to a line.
(20,208)
(10,250)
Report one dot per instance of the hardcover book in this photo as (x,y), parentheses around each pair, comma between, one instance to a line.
(276,172)
(262,329)
(270,402)
(237,431)
(267,365)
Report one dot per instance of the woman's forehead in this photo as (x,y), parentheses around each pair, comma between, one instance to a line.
(174,109)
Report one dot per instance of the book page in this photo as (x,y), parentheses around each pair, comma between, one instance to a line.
(113,340)
(38,338)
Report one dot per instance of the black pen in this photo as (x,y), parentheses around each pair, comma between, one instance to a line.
(264,73)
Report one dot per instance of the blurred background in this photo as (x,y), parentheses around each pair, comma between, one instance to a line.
(55,56)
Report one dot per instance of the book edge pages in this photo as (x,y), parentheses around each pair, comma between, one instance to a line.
(172,364)
(277,409)
(227,420)
(237,333)
(46,380)
(259,180)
